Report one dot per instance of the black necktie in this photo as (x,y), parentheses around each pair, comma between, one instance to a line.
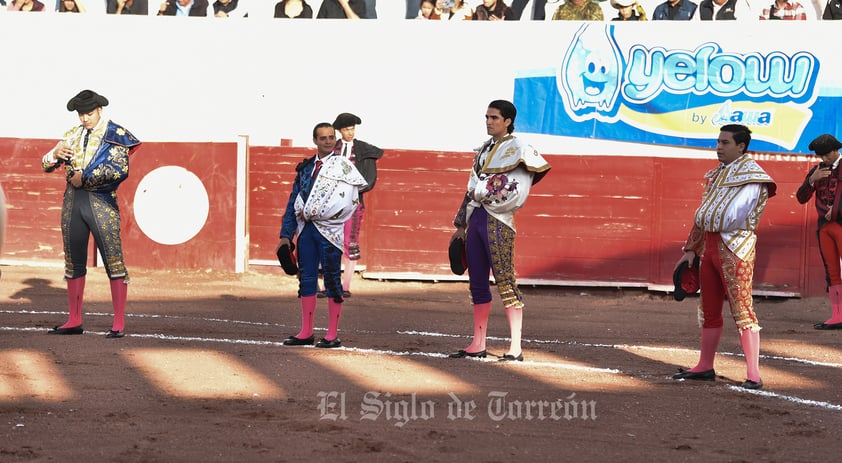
(85,142)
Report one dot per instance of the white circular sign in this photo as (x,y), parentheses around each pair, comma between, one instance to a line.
(171,205)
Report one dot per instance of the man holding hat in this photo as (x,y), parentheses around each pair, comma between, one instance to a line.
(504,170)
(364,156)
(324,196)
(95,156)
(723,234)
(825,181)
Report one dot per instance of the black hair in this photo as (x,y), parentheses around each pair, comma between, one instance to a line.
(320,125)
(741,133)
(507,110)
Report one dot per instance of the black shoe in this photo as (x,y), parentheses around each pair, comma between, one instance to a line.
(114,334)
(511,358)
(68,330)
(707,375)
(462,354)
(346,293)
(828,326)
(749,384)
(321,294)
(293,341)
(325,344)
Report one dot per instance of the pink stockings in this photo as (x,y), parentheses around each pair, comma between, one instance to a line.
(308,310)
(750,341)
(75,295)
(75,292)
(515,317)
(347,272)
(119,293)
(710,341)
(481,312)
(835,295)
(334,310)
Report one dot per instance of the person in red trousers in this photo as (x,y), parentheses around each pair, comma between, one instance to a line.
(723,234)
(825,181)
(94,158)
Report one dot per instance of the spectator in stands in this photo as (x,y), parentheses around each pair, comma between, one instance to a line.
(458,12)
(26,5)
(579,10)
(724,10)
(785,10)
(428,10)
(342,9)
(674,10)
(833,10)
(293,9)
(70,6)
(230,9)
(185,8)
(412,7)
(628,10)
(127,7)
(493,10)
(530,9)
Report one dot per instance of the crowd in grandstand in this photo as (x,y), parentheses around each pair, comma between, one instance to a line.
(491,10)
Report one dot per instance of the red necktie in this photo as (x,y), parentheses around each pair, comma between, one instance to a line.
(316,169)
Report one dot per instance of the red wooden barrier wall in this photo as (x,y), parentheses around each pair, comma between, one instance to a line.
(594,220)
(34,205)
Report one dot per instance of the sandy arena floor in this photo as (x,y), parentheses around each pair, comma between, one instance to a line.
(202,376)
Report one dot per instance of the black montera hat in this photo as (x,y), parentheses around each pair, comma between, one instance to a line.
(686,279)
(457,256)
(86,101)
(346,120)
(824,144)
(287,259)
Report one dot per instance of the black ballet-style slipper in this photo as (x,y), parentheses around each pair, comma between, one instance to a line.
(68,330)
(463,353)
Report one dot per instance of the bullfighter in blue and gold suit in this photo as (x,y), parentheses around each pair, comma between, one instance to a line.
(95,157)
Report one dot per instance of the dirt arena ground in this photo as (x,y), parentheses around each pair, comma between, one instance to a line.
(202,376)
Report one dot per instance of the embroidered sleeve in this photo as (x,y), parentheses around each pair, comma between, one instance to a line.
(110,173)
(504,192)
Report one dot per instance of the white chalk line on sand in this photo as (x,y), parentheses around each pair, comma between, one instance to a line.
(788,398)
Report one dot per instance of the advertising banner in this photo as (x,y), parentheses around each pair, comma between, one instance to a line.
(615,83)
